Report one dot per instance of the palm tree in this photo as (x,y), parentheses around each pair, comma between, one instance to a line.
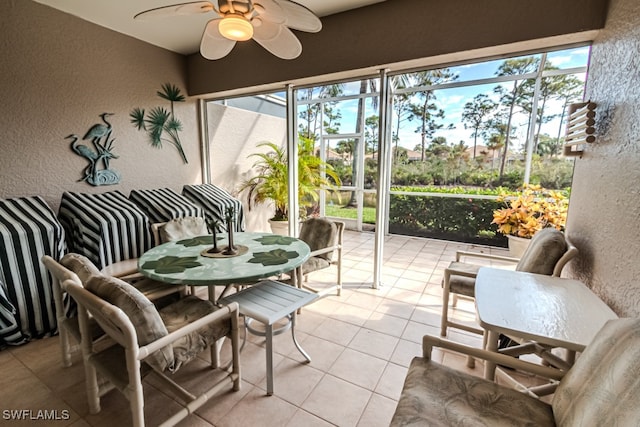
(271,180)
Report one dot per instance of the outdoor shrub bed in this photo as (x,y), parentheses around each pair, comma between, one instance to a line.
(462,219)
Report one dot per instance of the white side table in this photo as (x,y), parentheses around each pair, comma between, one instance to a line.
(267,302)
(550,310)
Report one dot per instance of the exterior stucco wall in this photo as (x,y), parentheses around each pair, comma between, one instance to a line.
(604,213)
(58,74)
(233,136)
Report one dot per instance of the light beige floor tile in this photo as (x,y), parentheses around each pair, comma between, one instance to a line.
(352,314)
(257,409)
(415,285)
(395,308)
(364,299)
(358,368)
(337,401)
(336,331)
(219,406)
(304,419)
(323,353)
(379,412)
(414,331)
(405,351)
(374,343)
(386,324)
(18,382)
(293,381)
(391,381)
(254,365)
(404,296)
(194,421)
(428,315)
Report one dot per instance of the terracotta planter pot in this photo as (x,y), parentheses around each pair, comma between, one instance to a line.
(517,245)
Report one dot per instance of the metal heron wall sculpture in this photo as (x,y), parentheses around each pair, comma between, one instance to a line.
(101,152)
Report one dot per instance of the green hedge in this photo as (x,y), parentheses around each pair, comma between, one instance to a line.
(462,219)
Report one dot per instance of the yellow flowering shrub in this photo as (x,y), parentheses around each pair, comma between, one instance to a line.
(534,209)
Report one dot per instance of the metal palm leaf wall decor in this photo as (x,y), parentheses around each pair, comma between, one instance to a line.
(161,124)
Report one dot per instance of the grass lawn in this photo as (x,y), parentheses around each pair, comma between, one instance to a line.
(336,211)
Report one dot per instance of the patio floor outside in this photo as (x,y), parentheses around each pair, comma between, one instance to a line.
(360,344)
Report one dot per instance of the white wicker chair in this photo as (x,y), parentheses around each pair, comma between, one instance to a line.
(325,238)
(146,340)
(548,253)
(600,389)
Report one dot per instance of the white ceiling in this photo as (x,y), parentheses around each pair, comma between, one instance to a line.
(180,34)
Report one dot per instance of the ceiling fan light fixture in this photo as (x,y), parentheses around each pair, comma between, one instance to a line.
(236,27)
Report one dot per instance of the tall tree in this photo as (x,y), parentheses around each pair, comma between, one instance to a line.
(401,110)
(425,109)
(558,87)
(365,84)
(475,115)
(371,134)
(519,95)
(309,126)
(548,146)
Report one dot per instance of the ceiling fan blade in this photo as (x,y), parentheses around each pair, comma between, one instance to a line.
(299,17)
(270,11)
(190,8)
(285,45)
(213,45)
(265,30)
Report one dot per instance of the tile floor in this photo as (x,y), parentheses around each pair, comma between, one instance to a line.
(360,344)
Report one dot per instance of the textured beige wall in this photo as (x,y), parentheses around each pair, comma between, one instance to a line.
(58,73)
(231,149)
(604,213)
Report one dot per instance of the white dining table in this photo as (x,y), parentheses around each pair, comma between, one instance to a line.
(548,310)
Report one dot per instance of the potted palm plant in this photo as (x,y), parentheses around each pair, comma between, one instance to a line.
(532,210)
(271,180)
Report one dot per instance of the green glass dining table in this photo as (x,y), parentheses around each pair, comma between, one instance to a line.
(186,261)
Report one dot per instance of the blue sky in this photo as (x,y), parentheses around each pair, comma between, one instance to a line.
(452,101)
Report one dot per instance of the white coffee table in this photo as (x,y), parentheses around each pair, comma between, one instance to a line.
(267,302)
(549,310)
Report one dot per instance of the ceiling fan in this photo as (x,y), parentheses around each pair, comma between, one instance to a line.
(268,22)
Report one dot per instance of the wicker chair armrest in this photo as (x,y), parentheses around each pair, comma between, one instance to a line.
(428,342)
(460,254)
